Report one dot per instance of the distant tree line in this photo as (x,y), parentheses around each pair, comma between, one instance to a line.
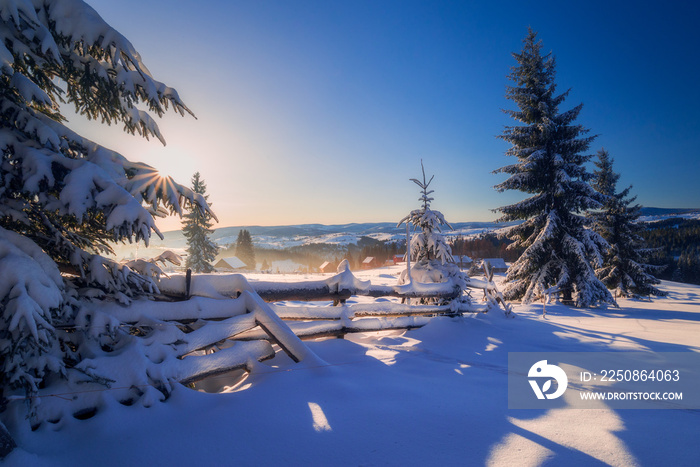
(306,255)
(245,250)
(311,256)
(677,245)
(486,245)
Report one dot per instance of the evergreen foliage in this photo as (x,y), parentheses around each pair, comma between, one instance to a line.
(245,251)
(623,269)
(201,251)
(676,246)
(428,243)
(689,265)
(63,198)
(429,249)
(548,147)
(485,245)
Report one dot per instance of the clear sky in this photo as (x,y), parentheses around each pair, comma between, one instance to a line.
(321,111)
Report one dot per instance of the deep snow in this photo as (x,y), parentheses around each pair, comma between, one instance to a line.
(431,396)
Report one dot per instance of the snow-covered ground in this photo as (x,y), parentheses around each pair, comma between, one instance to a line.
(431,396)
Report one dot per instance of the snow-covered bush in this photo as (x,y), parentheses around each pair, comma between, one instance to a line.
(63,198)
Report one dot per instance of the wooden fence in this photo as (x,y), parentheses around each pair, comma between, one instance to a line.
(224,323)
(340,318)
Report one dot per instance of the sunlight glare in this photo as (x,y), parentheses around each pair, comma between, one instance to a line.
(320,420)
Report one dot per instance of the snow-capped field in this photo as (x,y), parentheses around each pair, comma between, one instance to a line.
(431,396)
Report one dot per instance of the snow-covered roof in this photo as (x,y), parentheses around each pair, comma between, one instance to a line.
(462,259)
(232,262)
(496,262)
(324,265)
(368,260)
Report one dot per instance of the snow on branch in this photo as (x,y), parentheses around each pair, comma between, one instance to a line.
(63,198)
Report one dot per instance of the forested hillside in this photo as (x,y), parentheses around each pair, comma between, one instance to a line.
(678,243)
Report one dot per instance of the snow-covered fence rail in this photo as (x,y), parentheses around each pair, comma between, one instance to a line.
(141,350)
(337,288)
(361,310)
(241,314)
(338,328)
(319,321)
(491,292)
(310,322)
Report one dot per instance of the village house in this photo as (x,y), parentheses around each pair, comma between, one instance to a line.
(463,261)
(328,266)
(497,265)
(370,262)
(232,263)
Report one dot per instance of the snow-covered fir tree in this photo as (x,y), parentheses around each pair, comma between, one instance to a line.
(623,270)
(201,251)
(688,265)
(245,250)
(427,243)
(549,146)
(429,249)
(63,198)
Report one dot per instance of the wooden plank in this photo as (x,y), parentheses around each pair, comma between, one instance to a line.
(271,336)
(7,444)
(317,329)
(198,367)
(314,291)
(301,292)
(206,335)
(278,330)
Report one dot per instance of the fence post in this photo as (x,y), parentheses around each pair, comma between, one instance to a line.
(7,444)
(408,254)
(188,282)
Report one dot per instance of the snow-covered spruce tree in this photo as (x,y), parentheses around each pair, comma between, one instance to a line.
(429,249)
(201,251)
(623,269)
(63,197)
(559,250)
(245,250)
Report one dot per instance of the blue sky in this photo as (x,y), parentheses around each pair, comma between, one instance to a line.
(321,111)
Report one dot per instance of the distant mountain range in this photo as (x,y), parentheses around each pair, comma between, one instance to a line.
(285,236)
(670,212)
(275,236)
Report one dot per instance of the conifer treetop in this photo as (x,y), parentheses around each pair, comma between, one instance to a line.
(425,197)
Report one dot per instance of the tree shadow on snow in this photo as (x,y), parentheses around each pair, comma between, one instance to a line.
(438,395)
